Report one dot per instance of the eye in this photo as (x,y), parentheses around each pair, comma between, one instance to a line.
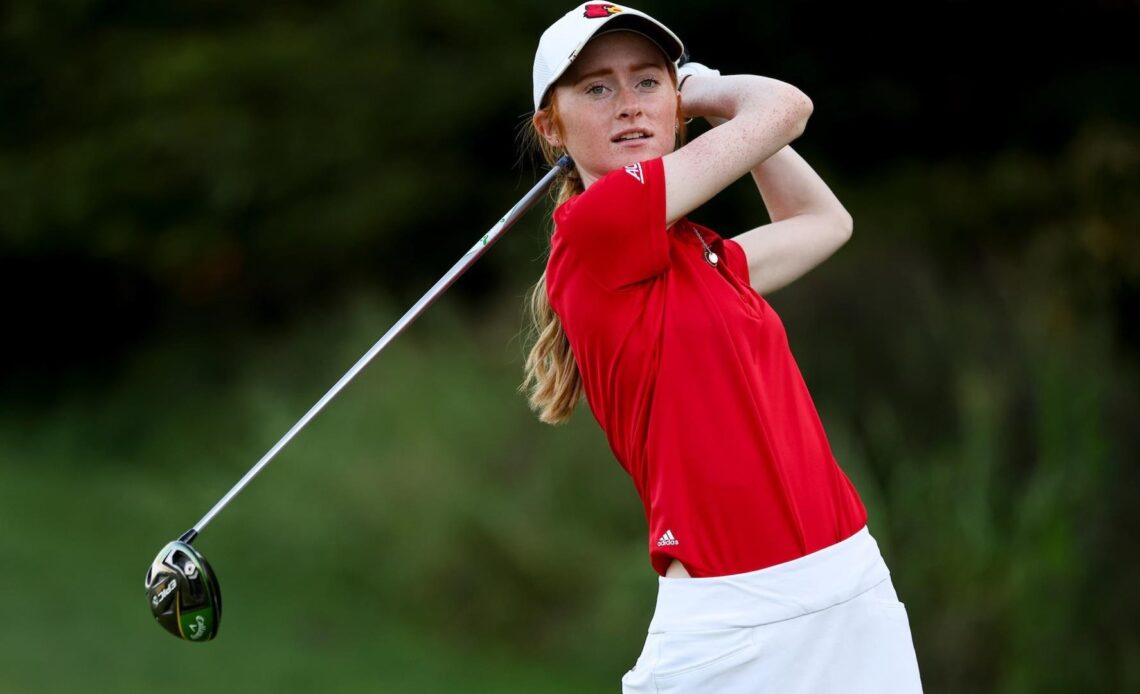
(648,83)
(596,90)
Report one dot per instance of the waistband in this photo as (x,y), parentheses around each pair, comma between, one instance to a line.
(801,586)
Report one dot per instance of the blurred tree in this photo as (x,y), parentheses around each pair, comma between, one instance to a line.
(182,175)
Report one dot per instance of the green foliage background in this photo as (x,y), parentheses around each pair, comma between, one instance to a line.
(209,210)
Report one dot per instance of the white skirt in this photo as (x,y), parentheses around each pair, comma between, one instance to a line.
(829,622)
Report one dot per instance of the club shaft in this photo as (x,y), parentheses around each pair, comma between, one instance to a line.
(414,312)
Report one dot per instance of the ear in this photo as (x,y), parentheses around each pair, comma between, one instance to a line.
(545,126)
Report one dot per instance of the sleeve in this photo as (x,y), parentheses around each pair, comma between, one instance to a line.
(617,226)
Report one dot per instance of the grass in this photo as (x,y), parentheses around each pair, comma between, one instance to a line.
(395,546)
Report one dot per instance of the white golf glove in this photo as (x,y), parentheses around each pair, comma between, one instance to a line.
(694,69)
(689,69)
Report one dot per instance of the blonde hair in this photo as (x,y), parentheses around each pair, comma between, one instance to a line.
(552,382)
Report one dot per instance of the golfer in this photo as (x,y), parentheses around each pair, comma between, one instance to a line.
(769,578)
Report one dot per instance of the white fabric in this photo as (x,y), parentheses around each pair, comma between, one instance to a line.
(564,39)
(691,68)
(829,622)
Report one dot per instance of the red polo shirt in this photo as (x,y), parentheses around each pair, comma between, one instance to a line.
(688,371)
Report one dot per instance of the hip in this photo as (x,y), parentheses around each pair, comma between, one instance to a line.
(827,621)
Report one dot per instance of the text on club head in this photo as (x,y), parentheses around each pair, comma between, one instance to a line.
(198,629)
(170,586)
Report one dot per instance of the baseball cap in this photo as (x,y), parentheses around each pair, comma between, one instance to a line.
(563,40)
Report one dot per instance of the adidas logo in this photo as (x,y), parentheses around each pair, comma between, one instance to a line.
(635,171)
(667,539)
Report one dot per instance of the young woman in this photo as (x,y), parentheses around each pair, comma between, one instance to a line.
(769,578)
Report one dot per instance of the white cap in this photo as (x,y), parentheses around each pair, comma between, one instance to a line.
(561,43)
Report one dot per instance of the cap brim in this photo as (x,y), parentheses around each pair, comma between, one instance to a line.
(669,44)
(666,40)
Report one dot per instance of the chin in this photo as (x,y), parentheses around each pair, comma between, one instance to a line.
(635,158)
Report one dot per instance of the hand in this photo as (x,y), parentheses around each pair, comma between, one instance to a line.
(690,69)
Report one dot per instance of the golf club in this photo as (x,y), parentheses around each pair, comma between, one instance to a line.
(182,590)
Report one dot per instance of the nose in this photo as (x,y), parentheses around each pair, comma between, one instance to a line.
(628,104)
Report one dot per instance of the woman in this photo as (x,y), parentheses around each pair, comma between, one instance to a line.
(769,579)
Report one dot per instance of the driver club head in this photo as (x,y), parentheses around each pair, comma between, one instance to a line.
(183,593)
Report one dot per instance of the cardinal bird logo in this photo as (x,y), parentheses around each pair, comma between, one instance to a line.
(600,10)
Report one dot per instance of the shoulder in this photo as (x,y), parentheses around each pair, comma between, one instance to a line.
(631,187)
(615,230)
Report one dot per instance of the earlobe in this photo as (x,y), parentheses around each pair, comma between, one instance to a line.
(549,133)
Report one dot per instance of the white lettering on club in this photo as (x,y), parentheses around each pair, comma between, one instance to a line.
(198,630)
(164,592)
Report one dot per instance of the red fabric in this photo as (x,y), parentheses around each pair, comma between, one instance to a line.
(688,371)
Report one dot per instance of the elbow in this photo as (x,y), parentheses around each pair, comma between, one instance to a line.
(776,107)
(844,226)
(835,227)
(800,108)
(804,105)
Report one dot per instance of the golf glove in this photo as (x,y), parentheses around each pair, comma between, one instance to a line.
(694,69)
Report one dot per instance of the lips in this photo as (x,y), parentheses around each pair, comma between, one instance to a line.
(631,135)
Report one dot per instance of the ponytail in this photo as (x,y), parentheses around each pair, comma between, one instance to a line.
(552,383)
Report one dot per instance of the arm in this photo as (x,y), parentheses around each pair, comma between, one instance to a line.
(808,223)
(763,115)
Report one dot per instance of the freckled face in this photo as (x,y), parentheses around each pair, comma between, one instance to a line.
(616,104)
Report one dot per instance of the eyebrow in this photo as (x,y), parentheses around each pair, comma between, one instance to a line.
(610,71)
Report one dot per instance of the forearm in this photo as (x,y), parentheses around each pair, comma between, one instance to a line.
(763,116)
(808,222)
(787,183)
(723,98)
(789,187)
